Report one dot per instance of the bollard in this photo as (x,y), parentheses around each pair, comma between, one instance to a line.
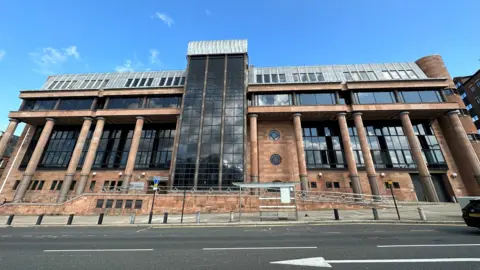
(70,219)
(150,216)
(10,219)
(231,216)
(165,217)
(375,214)
(132,218)
(100,219)
(422,214)
(335,213)
(198,217)
(39,219)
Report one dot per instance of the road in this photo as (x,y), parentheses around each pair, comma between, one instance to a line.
(368,246)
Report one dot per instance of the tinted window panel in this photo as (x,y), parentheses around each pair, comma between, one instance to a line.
(274,100)
(75,104)
(124,103)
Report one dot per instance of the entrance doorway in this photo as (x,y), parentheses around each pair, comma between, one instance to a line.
(438,184)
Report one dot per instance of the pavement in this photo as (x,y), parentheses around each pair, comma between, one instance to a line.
(355,246)
(447,213)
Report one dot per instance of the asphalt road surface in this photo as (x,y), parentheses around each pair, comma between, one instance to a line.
(366,246)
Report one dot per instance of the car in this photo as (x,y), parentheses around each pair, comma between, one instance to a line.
(471,213)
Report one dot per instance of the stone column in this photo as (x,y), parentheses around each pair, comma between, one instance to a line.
(465,144)
(72,166)
(34,160)
(253,148)
(425,177)
(7,135)
(367,155)
(132,155)
(90,157)
(347,148)
(302,166)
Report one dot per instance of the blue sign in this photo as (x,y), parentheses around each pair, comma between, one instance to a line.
(156,180)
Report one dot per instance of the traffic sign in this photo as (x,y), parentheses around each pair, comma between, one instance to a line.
(156,181)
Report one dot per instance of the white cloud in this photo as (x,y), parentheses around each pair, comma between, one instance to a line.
(2,54)
(153,56)
(208,12)
(165,18)
(126,67)
(50,60)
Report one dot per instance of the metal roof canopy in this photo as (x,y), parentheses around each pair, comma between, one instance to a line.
(266,185)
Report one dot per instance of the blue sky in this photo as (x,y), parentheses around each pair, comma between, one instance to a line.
(39,38)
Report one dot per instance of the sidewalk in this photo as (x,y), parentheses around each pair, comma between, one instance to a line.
(438,213)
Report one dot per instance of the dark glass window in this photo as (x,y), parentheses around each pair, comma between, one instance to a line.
(320,77)
(274,100)
(40,186)
(421,96)
(275,159)
(313,184)
(53,185)
(119,204)
(142,82)
(162,81)
(274,78)
(357,150)
(259,78)
(138,204)
(375,97)
(72,185)
(348,76)
(149,82)
(312,77)
(15,186)
(336,184)
(109,204)
(129,82)
(99,204)
(322,144)
(169,81)
(266,78)
(124,103)
(430,147)
(92,185)
(328,184)
(176,81)
(282,77)
(164,102)
(39,104)
(155,148)
(59,147)
(76,104)
(316,98)
(135,82)
(113,147)
(128,204)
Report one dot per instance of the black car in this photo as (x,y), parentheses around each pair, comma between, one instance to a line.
(471,213)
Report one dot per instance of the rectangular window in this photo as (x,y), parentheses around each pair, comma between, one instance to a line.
(39,104)
(311,77)
(475,118)
(138,204)
(72,185)
(109,204)
(282,77)
(182,80)
(162,82)
(313,184)
(135,82)
(40,186)
(469,107)
(403,74)
(316,98)
(274,100)
(472,89)
(259,78)
(34,185)
(142,82)
(412,74)
(329,184)
(60,184)
(99,204)
(15,186)
(372,75)
(463,96)
(266,78)
(348,76)
(355,76)
(169,81)
(75,104)
(375,97)
(304,77)
(322,145)
(52,85)
(320,77)
(118,204)
(336,184)
(394,74)
(92,185)
(176,81)
(274,78)
(421,96)
(478,84)
(364,75)
(53,185)
(386,75)
(124,103)
(128,204)
(155,149)
(164,102)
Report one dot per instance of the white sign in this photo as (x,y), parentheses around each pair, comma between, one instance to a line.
(285,195)
(136,185)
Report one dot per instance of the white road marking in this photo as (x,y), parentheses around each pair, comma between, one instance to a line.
(27,235)
(96,250)
(436,260)
(332,232)
(439,245)
(378,231)
(315,262)
(422,230)
(258,248)
(144,229)
(6,236)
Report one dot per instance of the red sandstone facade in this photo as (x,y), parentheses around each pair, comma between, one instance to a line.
(82,187)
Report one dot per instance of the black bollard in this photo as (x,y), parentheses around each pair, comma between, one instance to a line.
(150,216)
(335,213)
(70,219)
(165,217)
(10,219)
(39,219)
(100,219)
(375,214)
